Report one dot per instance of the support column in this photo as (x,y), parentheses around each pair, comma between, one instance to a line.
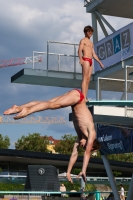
(111,177)
(33,60)
(102,26)
(82,183)
(105,21)
(130,191)
(74,61)
(94,26)
(47,55)
(125,83)
(125,89)
(98,90)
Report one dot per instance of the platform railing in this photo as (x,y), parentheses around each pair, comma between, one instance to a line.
(60,56)
(42,195)
(129,112)
(58,62)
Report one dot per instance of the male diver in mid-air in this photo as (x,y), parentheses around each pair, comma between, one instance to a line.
(82,120)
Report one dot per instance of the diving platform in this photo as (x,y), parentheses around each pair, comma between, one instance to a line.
(110,103)
(63,70)
(111,115)
(117,8)
(49,78)
(73,80)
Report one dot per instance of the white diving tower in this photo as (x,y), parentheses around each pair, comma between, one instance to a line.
(62,69)
(116,51)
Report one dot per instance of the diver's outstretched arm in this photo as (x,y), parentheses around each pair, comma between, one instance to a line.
(72,161)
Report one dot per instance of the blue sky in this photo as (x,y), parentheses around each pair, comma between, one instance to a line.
(26,26)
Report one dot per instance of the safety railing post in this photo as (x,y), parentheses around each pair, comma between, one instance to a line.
(47,54)
(33,60)
(59,62)
(74,61)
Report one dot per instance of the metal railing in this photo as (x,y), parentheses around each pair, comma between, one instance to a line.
(59,57)
(114,85)
(91,180)
(42,195)
(32,120)
(58,66)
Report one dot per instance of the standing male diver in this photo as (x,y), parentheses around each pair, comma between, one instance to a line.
(86,53)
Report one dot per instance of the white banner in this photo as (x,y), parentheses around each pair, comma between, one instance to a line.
(115,48)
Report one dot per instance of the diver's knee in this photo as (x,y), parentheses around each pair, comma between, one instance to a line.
(86,79)
(54,106)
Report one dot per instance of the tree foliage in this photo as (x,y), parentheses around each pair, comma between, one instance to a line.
(32,142)
(65,145)
(11,187)
(4,142)
(116,173)
(77,186)
(76,170)
(126,157)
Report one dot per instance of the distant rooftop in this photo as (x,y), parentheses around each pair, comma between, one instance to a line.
(52,140)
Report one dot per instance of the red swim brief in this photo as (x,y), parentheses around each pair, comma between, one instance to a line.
(81,95)
(88,59)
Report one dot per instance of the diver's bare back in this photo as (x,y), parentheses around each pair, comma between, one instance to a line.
(81,117)
(87,48)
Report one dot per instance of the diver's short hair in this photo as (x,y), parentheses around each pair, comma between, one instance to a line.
(96,145)
(88,28)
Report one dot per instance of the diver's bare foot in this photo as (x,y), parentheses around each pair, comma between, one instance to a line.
(22,114)
(82,175)
(68,175)
(12,110)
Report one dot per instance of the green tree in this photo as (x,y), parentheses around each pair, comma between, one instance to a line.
(116,173)
(76,170)
(127,157)
(4,142)
(32,142)
(65,145)
(11,187)
(77,186)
